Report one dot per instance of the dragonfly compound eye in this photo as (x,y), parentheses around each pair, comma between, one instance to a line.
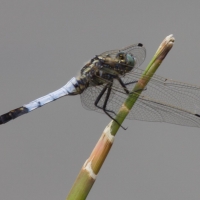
(130,60)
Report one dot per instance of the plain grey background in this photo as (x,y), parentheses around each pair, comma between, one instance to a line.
(45,43)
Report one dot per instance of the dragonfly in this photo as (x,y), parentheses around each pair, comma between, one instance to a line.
(105,82)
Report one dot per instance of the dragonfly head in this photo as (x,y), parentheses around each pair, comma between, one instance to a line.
(126,58)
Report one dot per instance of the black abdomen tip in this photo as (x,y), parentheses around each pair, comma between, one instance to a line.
(12,114)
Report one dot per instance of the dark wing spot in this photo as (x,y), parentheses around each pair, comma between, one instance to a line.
(140,44)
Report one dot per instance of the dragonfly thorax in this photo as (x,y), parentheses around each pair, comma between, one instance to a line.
(120,64)
(91,69)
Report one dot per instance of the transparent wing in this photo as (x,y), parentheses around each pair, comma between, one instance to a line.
(137,50)
(89,96)
(177,94)
(163,100)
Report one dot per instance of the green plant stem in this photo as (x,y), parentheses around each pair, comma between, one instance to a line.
(91,167)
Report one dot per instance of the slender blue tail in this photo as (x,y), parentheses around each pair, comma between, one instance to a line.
(71,88)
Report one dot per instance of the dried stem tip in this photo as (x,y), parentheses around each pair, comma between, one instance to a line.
(165,46)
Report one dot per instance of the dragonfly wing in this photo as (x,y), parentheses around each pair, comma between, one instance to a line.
(89,96)
(116,98)
(149,110)
(177,94)
(160,101)
(146,109)
(137,50)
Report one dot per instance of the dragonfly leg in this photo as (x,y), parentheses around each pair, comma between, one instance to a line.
(132,82)
(125,84)
(99,98)
(107,87)
(105,104)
